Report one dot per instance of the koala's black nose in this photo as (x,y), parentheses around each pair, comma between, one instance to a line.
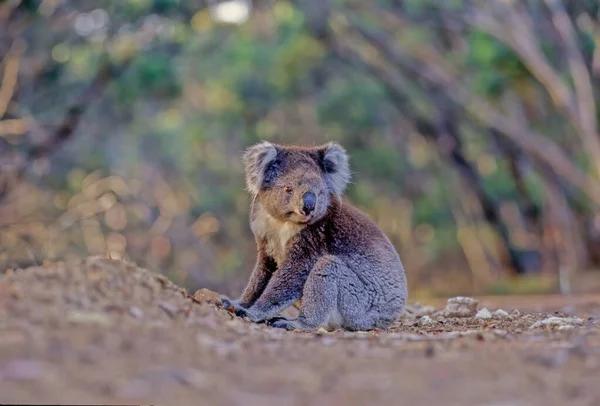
(309,201)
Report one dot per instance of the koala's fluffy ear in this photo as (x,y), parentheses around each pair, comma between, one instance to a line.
(336,167)
(256,160)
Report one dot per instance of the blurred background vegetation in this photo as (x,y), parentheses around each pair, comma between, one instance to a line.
(472,128)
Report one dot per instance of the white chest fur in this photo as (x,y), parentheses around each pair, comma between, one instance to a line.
(276,233)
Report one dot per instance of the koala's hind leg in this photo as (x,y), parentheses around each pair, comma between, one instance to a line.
(367,304)
(319,297)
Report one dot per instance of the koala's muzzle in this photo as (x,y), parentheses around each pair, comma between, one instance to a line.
(309,202)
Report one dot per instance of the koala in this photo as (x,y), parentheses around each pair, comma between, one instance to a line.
(314,248)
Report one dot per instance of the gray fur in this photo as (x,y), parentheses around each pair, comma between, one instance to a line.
(344,270)
(338,179)
(256,158)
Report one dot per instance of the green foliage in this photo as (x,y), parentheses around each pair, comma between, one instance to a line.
(495,67)
(378,161)
(500,182)
(165,6)
(295,59)
(355,98)
(195,96)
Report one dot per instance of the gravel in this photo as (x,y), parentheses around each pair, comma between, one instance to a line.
(100,331)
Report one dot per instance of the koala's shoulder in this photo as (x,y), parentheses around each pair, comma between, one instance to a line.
(353,224)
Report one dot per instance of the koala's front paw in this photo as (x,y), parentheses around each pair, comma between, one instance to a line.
(229,304)
(281,322)
(248,314)
(233,306)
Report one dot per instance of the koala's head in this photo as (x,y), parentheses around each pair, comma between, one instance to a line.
(296,184)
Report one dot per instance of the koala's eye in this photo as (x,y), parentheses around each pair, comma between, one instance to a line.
(288,189)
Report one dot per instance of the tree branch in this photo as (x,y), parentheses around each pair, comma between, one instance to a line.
(584,90)
(515,30)
(534,144)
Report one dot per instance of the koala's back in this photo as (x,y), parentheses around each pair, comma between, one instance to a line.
(375,274)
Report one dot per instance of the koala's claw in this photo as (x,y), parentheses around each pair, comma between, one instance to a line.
(281,322)
(244,313)
(233,306)
(227,303)
(241,312)
(274,319)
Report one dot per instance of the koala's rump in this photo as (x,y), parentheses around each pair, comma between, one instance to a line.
(374,266)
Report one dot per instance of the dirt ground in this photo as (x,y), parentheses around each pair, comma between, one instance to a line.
(102,331)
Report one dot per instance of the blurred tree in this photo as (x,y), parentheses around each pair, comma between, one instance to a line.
(472,129)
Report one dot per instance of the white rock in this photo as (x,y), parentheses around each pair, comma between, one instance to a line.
(85,317)
(500,313)
(136,312)
(555,321)
(425,321)
(461,307)
(483,314)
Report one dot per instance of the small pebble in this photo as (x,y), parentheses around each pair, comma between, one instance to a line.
(82,317)
(461,307)
(558,321)
(207,296)
(168,308)
(136,312)
(483,314)
(425,321)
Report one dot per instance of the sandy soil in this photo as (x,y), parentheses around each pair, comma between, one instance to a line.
(106,332)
